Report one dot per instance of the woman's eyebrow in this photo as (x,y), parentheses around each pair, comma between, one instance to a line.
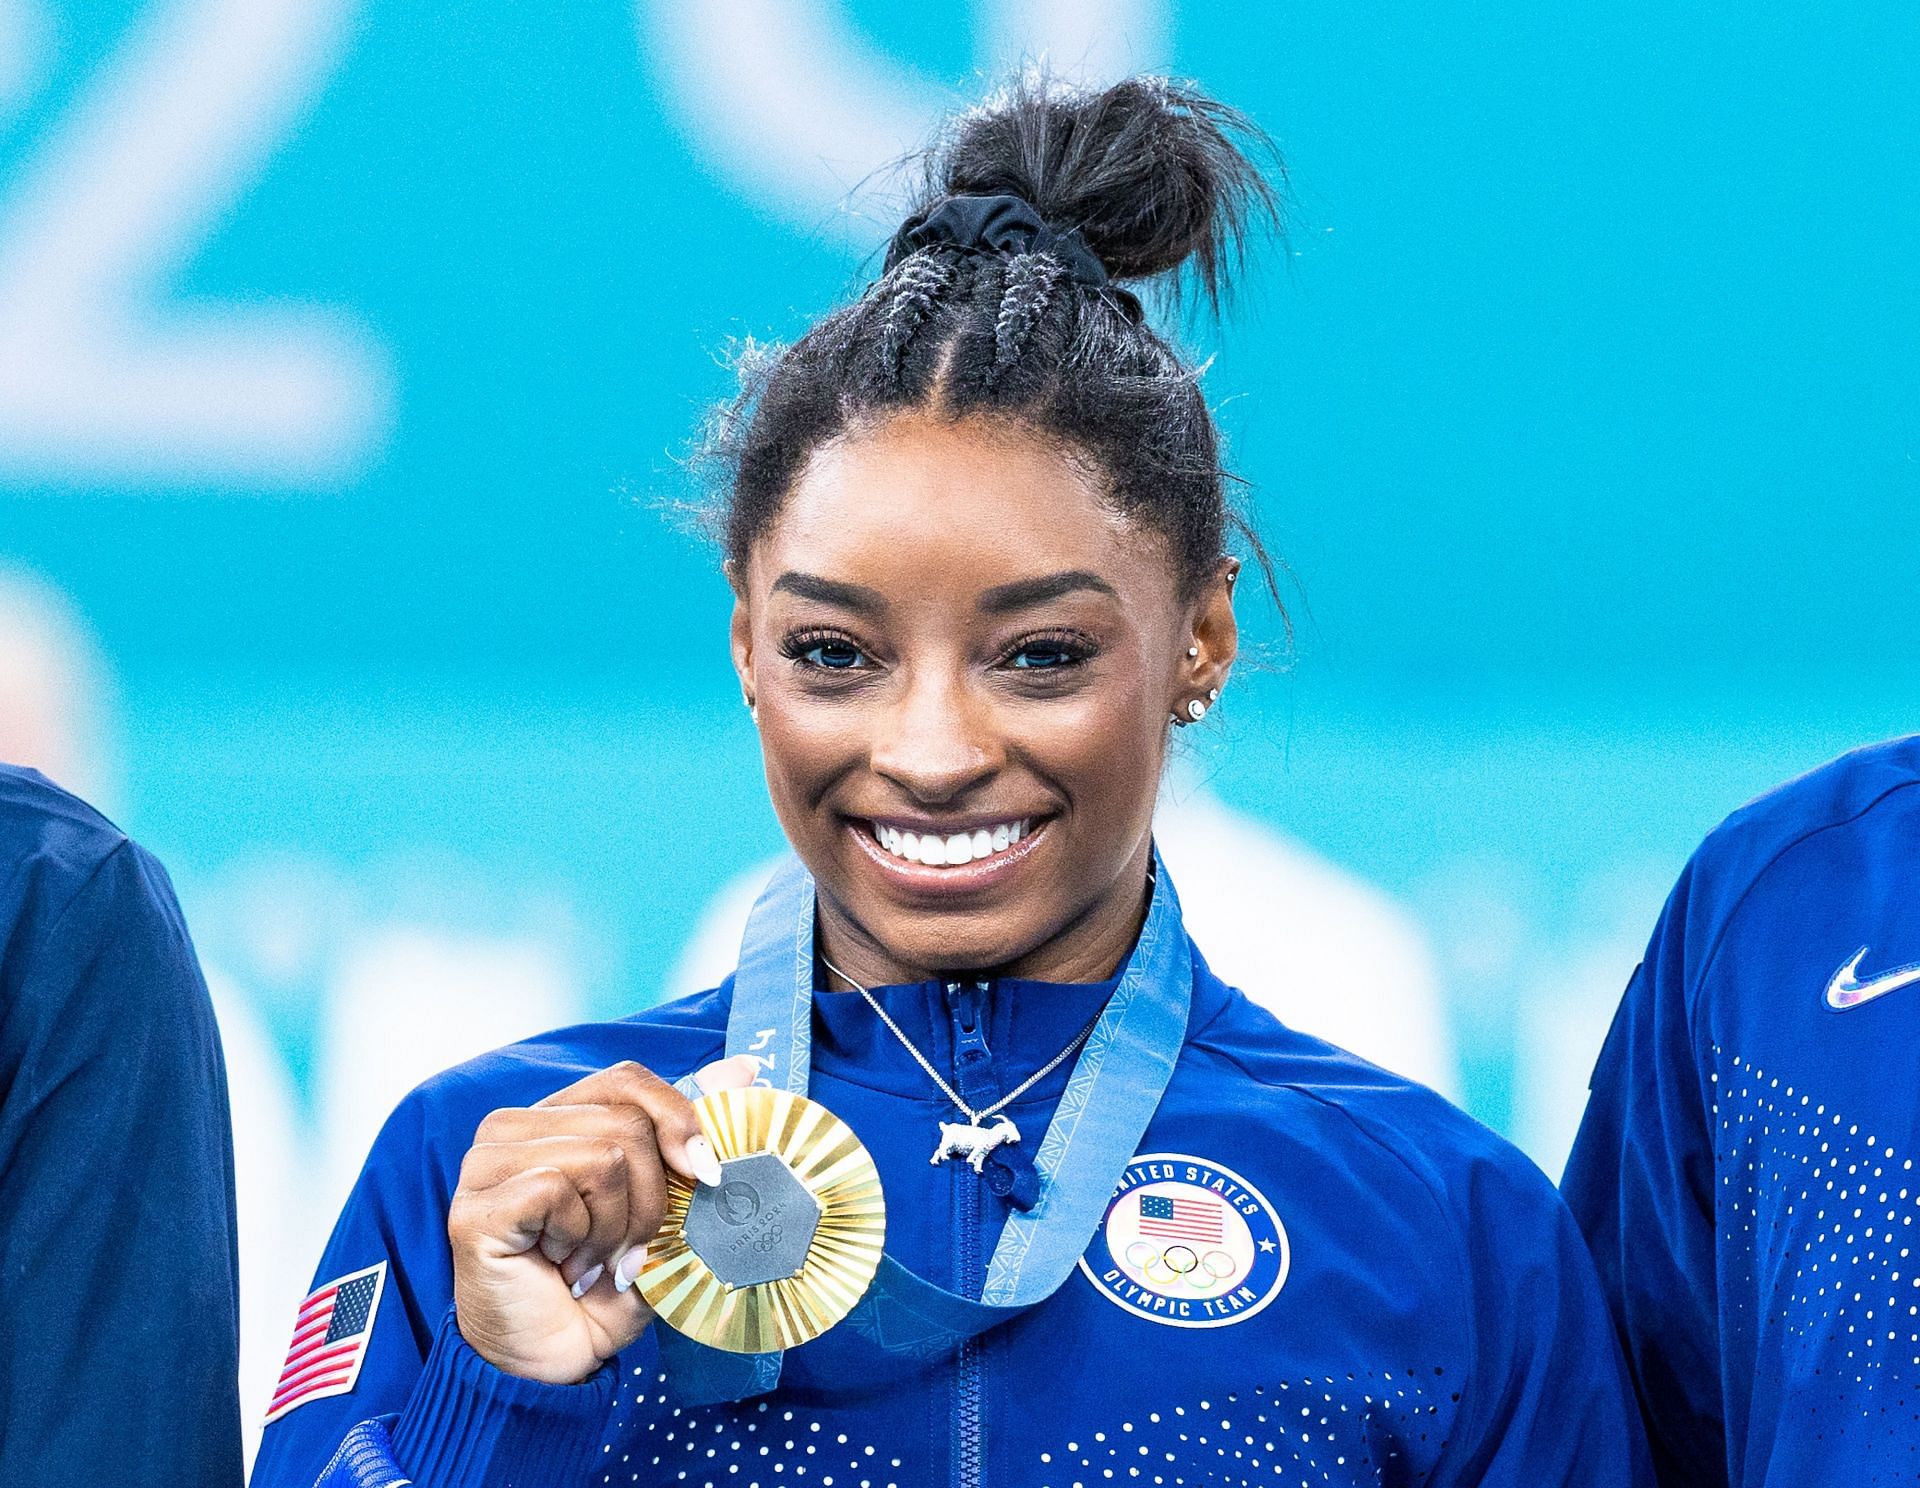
(1024,593)
(856,597)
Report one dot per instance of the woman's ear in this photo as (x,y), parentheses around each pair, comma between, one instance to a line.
(1214,643)
(740,639)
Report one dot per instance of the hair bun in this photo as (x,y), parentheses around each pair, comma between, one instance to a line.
(1154,175)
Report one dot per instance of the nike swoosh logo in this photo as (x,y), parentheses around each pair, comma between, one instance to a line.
(1845,992)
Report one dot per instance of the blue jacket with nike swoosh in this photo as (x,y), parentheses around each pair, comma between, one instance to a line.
(1312,1272)
(1745,1172)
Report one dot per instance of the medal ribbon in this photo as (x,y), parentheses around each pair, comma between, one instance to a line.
(1125,1062)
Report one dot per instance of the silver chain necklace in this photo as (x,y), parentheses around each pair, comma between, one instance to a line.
(972,1140)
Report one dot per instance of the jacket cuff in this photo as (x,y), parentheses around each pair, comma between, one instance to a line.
(470,1425)
(365,1459)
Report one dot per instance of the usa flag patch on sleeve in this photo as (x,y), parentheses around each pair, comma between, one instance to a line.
(330,1337)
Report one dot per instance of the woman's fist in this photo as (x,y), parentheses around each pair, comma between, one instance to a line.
(553,1198)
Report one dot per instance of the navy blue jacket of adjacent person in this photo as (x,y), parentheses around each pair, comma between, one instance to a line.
(1746,1170)
(119,1312)
(1309,1272)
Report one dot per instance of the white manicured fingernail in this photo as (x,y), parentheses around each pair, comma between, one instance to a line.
(628,1267)
(706,1167)
(586,1281)
(732,1073)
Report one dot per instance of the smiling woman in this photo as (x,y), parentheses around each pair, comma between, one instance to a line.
(977,534)
(949,639)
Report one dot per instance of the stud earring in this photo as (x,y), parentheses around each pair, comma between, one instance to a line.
(1192,651)
(1213,694)
(1196,710)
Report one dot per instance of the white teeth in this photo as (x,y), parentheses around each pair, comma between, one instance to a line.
(961,847)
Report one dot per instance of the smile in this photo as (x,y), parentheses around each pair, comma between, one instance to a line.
(954,849)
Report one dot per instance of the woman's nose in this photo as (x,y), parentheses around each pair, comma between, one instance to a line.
(936,741)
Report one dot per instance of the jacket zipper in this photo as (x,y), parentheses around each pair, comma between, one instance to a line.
(968,1005)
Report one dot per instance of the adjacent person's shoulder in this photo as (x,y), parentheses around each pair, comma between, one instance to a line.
(52,843)
(672,1039)
(73,885)
(1805,852)
(1860,803)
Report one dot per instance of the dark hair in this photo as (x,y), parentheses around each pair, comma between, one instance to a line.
(1154,177)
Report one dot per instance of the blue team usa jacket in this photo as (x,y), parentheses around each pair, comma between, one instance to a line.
(1311,1272)
(115,1146)
(1746,1170)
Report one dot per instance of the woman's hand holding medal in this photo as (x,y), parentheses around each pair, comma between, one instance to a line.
(552,1199)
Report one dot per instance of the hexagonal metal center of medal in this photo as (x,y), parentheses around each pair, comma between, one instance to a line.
(755,1225)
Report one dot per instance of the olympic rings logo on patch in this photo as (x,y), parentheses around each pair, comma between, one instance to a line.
(1171,1267)
(1188,1243)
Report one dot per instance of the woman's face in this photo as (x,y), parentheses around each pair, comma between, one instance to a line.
(963,664)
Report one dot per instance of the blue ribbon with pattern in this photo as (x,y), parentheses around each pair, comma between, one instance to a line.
(1116,1085)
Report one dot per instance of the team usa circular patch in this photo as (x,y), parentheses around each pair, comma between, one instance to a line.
(1188,1243)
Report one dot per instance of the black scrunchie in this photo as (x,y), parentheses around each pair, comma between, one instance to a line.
(997,224)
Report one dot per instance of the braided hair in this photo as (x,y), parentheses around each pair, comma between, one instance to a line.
(1152,177)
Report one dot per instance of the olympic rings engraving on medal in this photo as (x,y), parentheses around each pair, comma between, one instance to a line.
(1188,1243)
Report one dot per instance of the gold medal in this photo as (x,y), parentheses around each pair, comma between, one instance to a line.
(785,1244)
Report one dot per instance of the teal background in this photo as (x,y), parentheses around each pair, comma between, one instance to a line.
(1581,401)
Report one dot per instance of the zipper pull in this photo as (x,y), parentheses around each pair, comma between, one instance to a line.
(972,1060)
(963,1000)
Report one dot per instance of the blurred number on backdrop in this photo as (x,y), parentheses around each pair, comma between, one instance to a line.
(102,379)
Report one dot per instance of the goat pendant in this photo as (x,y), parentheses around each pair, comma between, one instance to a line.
(973,1142)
